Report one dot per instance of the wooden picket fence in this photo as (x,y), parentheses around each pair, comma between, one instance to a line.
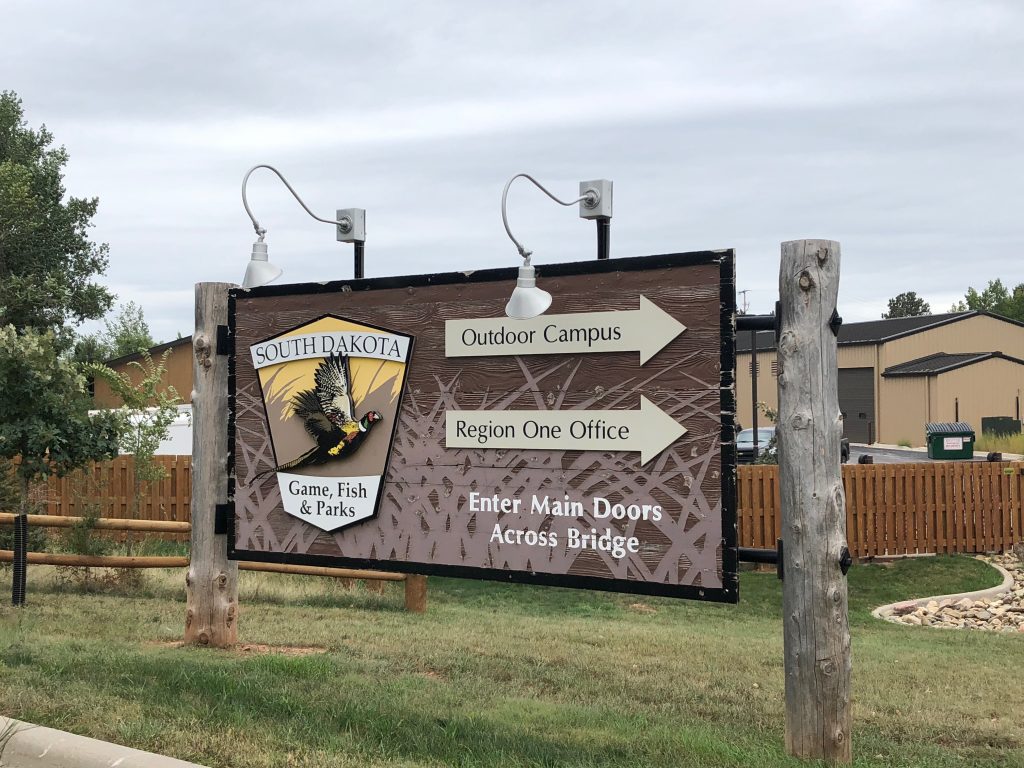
(903,509)
(892,509)
(108,490)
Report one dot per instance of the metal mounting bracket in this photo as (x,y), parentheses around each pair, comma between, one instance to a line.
(845,560)
(351,225)
(220,518)
(835,323)
(223,340)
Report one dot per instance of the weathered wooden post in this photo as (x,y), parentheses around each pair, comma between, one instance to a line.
(212,580)
(810,428)
(415,593)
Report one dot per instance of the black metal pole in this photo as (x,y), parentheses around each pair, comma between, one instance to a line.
(753,386)
(358,258)
(604,236)
(20,560)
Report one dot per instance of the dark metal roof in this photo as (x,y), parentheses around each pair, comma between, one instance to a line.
(159,349)
(941,362)
(875,331)
(948,427)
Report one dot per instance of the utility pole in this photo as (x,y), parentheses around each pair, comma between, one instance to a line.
(815,556)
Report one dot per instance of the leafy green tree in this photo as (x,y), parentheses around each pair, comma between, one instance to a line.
(44,411)
(47,261)
(149,408)
(91,348)
(127,334)
(996,298)
(907,304)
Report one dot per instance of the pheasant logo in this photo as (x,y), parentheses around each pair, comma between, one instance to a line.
(332,393)
(328,416)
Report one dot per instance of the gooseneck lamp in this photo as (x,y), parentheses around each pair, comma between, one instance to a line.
(595,201)
(350,223)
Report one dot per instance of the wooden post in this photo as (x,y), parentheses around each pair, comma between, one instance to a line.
(809,429)
(212,581)
(415,593)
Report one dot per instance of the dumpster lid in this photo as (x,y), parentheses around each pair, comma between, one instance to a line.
(948,428)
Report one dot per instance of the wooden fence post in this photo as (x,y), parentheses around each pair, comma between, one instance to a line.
(212,580)
(415,593)
(814,596)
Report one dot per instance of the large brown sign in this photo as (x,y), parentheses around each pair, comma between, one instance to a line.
(405,424)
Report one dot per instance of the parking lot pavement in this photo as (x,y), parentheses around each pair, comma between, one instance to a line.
(890,455)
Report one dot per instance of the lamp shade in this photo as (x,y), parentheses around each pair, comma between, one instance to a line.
(260,271)
(527,299)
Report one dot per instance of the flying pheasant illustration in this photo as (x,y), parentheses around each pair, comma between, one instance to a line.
(329,417)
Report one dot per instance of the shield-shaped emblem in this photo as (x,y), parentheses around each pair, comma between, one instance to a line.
(332,391)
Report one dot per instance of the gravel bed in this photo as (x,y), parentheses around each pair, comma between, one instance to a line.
(1003,612)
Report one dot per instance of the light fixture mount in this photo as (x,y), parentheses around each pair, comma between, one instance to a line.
(595,202)
(350,224)
(596,199)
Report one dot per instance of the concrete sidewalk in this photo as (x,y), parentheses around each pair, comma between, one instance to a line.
(24,745)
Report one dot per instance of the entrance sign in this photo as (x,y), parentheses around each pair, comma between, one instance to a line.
(405,424)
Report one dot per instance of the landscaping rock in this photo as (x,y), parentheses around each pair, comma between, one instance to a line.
(1002,613)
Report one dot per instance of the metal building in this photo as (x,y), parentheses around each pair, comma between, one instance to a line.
(897,375)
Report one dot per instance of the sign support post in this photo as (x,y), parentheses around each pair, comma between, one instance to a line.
(212,580)
(810,427)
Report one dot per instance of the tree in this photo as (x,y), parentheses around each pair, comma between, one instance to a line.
(127,334)
(149,410)
(44,411)
(995,298)
(907,304)
(47,262)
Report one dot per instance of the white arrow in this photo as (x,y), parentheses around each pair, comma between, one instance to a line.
(646,330)
(649,430)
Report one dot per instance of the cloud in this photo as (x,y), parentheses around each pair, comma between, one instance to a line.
(891,127)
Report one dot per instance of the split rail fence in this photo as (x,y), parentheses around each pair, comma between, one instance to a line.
(892,509)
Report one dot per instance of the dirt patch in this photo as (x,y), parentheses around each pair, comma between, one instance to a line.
(251,649)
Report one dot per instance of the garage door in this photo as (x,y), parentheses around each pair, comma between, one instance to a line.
(857,402)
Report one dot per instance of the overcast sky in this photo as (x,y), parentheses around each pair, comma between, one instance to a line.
(892,127)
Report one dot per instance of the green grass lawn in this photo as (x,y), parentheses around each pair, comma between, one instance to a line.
(503,675)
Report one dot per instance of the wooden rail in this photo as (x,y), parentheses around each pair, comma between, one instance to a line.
(315,570)
(100,524)
(415,586)
(98,561)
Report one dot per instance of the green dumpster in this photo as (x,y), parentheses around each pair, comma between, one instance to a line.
(949,440)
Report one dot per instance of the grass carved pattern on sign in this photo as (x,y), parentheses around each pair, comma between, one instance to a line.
(425,513)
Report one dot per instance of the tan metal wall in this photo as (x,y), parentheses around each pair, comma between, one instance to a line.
(975,334)
(179,375)
(988,388)
(767,387)
(903,406)
(860,356)
(905,410)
